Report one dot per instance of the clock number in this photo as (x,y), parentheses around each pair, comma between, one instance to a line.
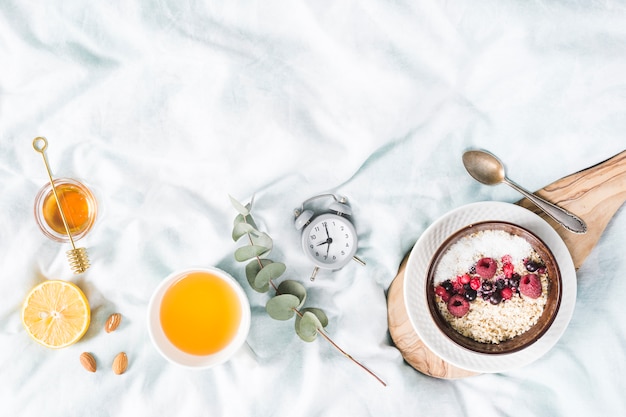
(313,237)
(343,252)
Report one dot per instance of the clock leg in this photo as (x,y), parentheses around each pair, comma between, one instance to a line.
(314,274)
(358,260)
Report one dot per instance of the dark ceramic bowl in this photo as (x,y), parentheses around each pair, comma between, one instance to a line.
(531,335)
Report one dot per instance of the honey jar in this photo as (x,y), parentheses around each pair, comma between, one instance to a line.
(79,206)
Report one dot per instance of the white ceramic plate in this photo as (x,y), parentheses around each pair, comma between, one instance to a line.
(417,270)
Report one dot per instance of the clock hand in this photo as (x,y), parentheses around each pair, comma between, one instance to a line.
(327,241)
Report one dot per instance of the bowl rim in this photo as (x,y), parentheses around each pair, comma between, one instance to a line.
(548,315)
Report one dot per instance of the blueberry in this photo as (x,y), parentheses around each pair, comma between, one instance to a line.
(495,298)
(470,295)
(500,284)
(515,279)
(532,266)
(487,286)
(447,284)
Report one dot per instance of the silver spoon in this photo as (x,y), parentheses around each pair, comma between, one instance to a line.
(485,168)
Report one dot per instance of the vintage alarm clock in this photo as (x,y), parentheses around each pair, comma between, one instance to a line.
(329,239)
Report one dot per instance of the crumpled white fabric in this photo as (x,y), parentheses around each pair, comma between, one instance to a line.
(165,108)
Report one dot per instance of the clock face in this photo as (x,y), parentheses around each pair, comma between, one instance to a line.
(330,241)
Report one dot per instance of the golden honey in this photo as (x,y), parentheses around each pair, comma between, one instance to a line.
(200,313)
(75,207)
(78,204)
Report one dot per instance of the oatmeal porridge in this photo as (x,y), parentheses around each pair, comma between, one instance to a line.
(491,286)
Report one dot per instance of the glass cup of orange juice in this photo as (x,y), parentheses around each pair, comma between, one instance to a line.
(79,207)
(198,318)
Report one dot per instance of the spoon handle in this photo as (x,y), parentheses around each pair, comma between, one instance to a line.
(566,219)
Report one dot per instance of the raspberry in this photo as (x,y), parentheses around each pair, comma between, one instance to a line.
(475,283)
(458,306)
(530,286)
(442,292)
(508,269)
(486,267)
(506,293)
(506,259)
(465,279)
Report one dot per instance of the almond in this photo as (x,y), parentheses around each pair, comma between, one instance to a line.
(112,322)
(88,361)
(120,363)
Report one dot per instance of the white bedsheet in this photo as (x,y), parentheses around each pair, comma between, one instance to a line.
(164,108)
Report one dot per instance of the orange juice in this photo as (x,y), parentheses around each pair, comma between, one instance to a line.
(75,207)
(200,313)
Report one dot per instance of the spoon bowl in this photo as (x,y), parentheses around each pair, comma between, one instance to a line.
(487,169)
(484,167)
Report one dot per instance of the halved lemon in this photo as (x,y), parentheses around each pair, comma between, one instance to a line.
(56,314)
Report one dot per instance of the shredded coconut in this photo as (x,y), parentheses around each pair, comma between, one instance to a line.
(487,243)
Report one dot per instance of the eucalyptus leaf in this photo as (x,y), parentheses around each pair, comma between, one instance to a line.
(241,229)
(238,206)
(293,288)
(282,306)
(269,272)
(248,252)
(241,219)
(262,239)
(252,270)
(308,326)
(319,313)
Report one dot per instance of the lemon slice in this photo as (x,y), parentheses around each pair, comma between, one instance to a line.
(56,314)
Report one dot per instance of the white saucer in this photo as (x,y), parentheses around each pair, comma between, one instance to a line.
(415,286)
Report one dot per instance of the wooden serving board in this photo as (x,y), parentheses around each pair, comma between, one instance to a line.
(594,194)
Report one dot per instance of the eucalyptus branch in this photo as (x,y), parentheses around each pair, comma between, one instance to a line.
(344,353)
(290,295)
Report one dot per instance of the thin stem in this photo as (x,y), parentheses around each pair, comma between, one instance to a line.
(336,346)
(344,353)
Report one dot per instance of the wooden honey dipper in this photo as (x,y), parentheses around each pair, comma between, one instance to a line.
(77,257)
